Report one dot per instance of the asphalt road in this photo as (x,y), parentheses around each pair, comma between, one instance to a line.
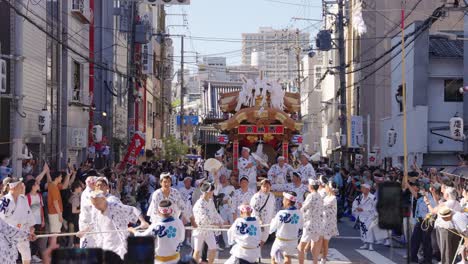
(343,249)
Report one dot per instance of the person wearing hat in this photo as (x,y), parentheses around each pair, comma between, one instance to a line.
(305,168)
(263,204)
(111,216)
(15,211)
(166,192)
(451,226)
(364,211)
(168,233)
(312,209)
(206,216)
(242,195)
(279,172)
(286,224)
(244,234)
(247,167)
(447,241)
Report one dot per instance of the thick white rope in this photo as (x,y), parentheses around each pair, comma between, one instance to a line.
(223,228)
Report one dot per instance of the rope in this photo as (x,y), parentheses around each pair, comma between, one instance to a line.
(223,228)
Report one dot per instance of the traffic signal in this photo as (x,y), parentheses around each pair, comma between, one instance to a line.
(324,40)
(389,205)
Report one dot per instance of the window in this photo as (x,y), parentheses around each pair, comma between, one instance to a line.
(149,113)
(77,81)
(451,90)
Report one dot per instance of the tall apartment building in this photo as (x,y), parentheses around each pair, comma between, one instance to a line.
(280,48)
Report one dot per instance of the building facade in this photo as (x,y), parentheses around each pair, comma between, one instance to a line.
(280,50)
(433,79)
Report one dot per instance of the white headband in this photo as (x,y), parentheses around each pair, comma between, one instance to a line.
(97,194)
(290,197)
(14,184)
(164,175)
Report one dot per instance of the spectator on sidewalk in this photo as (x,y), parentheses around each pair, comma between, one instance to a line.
(55,204)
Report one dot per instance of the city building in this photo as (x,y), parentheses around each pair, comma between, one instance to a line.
(311,108)
(276,50)
(434,75)
(369,78)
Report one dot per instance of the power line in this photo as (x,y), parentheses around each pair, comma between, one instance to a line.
(86,58)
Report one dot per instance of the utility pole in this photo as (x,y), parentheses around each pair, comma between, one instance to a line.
(161,30)
(131,72)
(465,83)
(342,56)
(182,88)
(298,61)
(18,115)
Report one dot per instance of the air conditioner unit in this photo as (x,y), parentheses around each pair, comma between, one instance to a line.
(77,6)
(79,9)
(167,2)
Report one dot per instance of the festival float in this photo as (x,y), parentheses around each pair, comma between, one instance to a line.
(264,118)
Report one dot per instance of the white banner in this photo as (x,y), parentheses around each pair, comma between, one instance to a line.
(356,131)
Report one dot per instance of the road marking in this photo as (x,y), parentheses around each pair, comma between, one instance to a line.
(375,257)
(336,256)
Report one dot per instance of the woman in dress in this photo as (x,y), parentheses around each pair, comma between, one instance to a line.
(329,223)
(312,210)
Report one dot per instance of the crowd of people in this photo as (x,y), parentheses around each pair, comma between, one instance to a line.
(297,208)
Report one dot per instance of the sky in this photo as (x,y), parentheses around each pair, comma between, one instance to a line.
(210,19)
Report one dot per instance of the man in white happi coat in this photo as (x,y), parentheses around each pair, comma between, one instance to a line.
(168,233)
(365,212)
(225,209)
(278,173)
(241,196)
(102,184)
(112,216)
(244,234)
(247,167)
(286,224)
(15,211)
(186,192)
(11,236)
(296,184)
(219,155)
(85,217)
(263,204)
(206,216)
(166,192)
(305,168)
